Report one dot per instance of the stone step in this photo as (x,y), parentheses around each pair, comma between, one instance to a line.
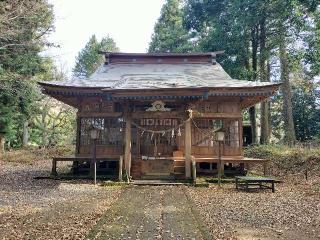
(159,176)
(157,182)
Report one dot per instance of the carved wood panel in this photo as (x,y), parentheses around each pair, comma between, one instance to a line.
(97,105)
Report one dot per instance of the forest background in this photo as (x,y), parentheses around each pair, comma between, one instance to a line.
(276,41)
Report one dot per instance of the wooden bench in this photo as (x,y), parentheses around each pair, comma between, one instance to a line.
(116,158)
(246,183)
(235,160)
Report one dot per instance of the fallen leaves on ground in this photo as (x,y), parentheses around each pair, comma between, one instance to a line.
(290,213)
(48,209)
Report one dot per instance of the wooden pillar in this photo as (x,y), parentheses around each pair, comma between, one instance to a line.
(78,135)
(127,148)
(120,168)
(265,168)
(54,168)
(95,161)
(240,124)
(220,164)
(75,166)
(187,148)
(194,169)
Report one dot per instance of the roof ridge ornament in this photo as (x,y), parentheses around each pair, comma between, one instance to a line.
(193,57)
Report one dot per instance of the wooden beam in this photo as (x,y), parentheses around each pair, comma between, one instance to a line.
(169,114)
(187,148)
(99,114)
(217,115)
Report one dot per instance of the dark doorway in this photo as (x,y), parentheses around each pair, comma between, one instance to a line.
(247,135)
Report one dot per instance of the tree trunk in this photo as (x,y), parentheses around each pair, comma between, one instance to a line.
(269,102)
(44,135)
(289,131)
(2,142)
(253,124)
(25,138)
(252,110)
(264,122)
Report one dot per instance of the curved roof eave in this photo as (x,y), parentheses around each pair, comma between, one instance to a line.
(110,89)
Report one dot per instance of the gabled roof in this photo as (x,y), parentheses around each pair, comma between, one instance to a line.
(137,71)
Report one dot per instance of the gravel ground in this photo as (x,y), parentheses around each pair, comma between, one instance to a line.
(293,212)
(48,209)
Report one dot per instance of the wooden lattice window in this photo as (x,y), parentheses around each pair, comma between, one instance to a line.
(203,132)
(111,131)
(232,137)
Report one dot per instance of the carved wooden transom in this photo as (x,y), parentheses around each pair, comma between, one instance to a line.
(158,106)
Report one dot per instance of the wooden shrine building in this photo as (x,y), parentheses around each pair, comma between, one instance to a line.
(159,112)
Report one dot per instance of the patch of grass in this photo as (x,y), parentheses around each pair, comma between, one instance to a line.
(32,154)
(286,159)
(210,179)
(223,180)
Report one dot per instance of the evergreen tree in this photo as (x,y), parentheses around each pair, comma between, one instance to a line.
(254,33)
(169,33)
(24,26)
(236,28)
(89,59)
(306,110)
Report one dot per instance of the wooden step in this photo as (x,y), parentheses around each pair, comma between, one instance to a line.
(179,169)
(179,164)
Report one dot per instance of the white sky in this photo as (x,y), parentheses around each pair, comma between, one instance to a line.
(129,22)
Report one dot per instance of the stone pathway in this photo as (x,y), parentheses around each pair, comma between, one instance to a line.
(151,212)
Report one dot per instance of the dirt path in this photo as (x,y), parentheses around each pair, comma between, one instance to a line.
(160,212)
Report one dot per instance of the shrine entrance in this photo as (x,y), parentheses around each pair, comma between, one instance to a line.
(159,137)
(157,140)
